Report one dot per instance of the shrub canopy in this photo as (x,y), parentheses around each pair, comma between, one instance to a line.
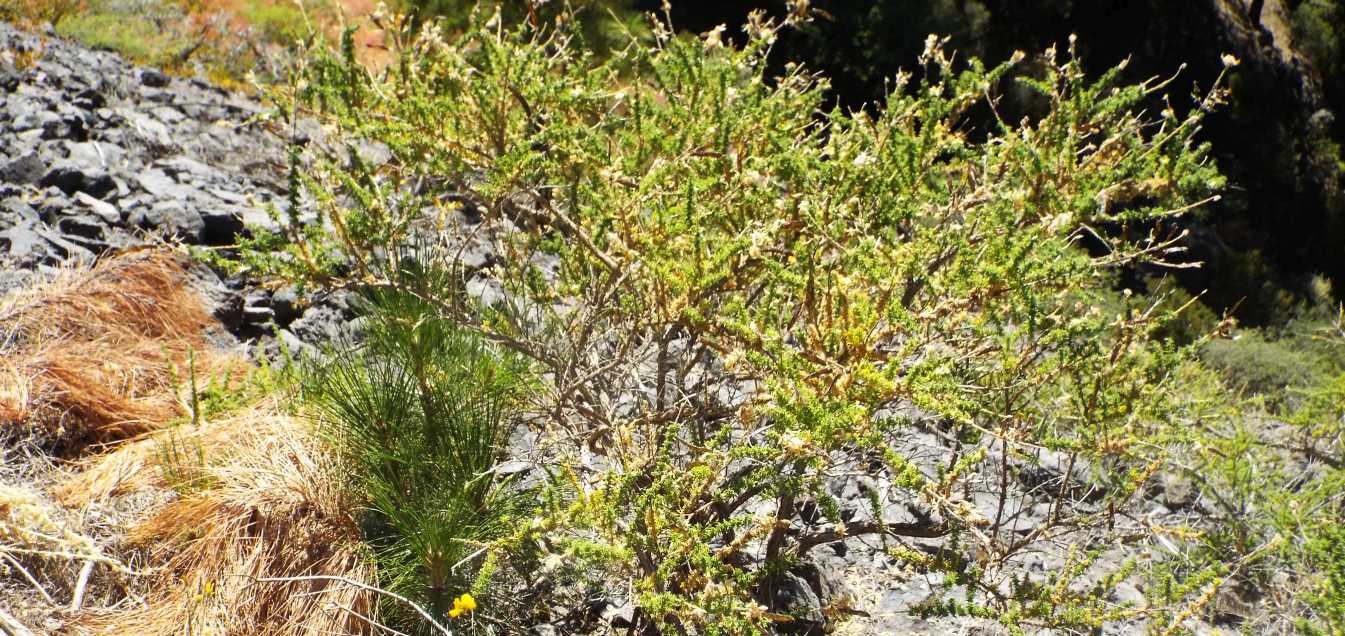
(730,290)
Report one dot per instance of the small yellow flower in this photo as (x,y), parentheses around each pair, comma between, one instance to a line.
(462,605)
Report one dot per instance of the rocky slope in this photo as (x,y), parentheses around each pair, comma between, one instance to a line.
(98,154)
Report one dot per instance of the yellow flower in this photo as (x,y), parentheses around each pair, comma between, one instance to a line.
(462,605)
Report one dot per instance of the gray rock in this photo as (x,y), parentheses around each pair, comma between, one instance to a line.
(153,78)
(34,120)
(23,244)
(86,226)
(89,99)
(27,168)
(104,210)
(156,182)
(285,305)
(185,169)
(1126,592)
(790,594)
(257,307)
(320,323)
(148,130)
(70,177)
(94,155)
(174,219)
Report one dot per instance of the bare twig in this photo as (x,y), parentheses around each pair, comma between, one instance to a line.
(363,586)
(12,626)
(372,623)
(78,599)
(27,575)
(926,530)
(73,556)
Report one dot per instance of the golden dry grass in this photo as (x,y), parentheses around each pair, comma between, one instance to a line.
(97,356)
(91,356)
(267,508)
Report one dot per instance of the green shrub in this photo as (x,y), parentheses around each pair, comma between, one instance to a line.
(1279,363)
(420,413)
(715,228)
(1327,551)
(276,23)
(597,24)
(1317,32)
(1191,320)
(36,12)
(136,37)
(1261,366)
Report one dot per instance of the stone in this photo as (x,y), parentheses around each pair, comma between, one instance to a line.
(94,155)
(9,78)
(53,206)
(156,182)
(32,119)
(62,249)
(487,291)
(89,99)
(1125,592)
(289,345)
(187,169)
(788,593)
(149,129)
(257,307)
(153,79)
(104,210)
(174,219)
(71,178)
(220,227)
(78,124)
(319,323)
(27,168)
(85,226)
(168,115)
(285,305)
(228,196)
(22,243)
(620,616)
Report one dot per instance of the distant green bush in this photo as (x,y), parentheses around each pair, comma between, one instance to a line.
(1276,362)
(34,12)
(1189,320)
(276,22)
(1319,31)
(135,37)
(1261,366)
(598,24)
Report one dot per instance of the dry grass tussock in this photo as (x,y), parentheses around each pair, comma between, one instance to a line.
(173,525)
(263,508)
(91,356)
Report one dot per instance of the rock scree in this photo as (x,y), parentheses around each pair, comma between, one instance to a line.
(97,154)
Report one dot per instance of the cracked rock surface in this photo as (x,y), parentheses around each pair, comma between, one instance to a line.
(97,154)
